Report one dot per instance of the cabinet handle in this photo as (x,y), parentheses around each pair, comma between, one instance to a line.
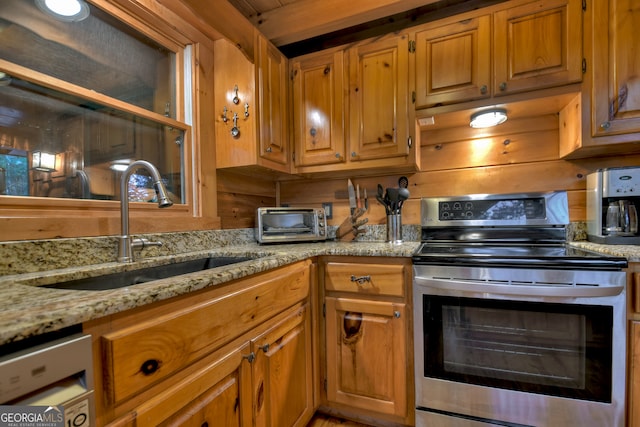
(605,125)
(150,366)
(503,86)
(265,348)
(484,89)
(361,280)
(250,357)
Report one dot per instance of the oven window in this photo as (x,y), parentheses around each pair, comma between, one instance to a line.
(555,349)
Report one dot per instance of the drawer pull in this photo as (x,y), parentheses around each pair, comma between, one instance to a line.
(150,366)
(360,280)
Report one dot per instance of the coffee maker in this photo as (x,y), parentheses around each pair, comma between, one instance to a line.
(612,197)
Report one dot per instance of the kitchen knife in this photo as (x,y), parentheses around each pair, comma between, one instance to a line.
(352,197)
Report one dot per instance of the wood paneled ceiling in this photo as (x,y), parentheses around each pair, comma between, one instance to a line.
(304,25)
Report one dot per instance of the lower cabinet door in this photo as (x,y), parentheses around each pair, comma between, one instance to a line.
(222,390)
(283,376)
(366,348)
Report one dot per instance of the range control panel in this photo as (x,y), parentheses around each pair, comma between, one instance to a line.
(495,210)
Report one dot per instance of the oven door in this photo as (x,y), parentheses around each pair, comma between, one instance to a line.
(520,346)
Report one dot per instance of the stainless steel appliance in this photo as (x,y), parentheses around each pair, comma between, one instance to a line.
(513,326)
(53,373)
(289,225)
(613,196)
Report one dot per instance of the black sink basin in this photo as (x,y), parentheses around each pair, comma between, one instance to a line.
(144,275)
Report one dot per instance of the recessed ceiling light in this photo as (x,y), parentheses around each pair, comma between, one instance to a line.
(64,10)
(488,118)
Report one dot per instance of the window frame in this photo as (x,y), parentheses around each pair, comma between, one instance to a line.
(30,218)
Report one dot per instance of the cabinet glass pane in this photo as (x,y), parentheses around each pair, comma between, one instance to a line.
(98,53)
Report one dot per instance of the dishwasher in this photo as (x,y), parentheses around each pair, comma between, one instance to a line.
(52,380)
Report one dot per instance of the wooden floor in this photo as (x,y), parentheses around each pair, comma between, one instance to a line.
(321,420)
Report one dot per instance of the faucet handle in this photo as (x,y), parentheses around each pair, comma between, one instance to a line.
(142,243)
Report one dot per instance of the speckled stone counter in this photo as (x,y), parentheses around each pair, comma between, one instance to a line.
(28,309)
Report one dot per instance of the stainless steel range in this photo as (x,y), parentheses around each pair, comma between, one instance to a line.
(512,325)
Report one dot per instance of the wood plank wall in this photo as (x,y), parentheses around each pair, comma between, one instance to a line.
(518,156)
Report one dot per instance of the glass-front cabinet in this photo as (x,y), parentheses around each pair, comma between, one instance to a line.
(83,97)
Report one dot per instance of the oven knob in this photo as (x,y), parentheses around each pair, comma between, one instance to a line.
(445,207)
(457,206)
(469,214)
(445,215)
(468,206)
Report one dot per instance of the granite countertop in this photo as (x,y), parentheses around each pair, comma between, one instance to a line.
(27,309)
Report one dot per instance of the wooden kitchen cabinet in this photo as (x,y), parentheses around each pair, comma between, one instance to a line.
(318,108)
(607,113)
(352,108)
(633,348)
(368,368)
(499,51)
(537,45)
(282,373)
(203,356)
(453,62)
(251,107)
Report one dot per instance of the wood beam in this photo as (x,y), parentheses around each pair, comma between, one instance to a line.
(309,18)
(221,18)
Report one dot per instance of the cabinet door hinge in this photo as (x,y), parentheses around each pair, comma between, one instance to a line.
(413,97)
(584,65)
(324,384)
(412,46)
(324,310)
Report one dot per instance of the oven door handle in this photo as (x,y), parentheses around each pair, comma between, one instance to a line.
(560,291)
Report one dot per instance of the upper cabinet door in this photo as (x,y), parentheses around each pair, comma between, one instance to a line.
(537,45)
(318,108)
(616,67)
(453,62)
(379,98)
(272,84)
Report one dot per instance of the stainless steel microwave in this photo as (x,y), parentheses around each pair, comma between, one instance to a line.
(290,225)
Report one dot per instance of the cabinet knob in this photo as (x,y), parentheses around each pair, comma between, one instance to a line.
(313,131)
(354,154)
(337,155)
(484,89)
(605,125)
(396,314)
(250,357)
(265,348)
(503,86)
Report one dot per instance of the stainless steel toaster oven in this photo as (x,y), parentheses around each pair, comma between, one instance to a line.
(290,225)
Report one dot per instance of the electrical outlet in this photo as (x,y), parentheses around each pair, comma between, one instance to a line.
(328,210)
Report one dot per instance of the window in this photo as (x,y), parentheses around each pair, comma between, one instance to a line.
(88,95)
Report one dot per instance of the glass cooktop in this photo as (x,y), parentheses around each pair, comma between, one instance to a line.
(515,255)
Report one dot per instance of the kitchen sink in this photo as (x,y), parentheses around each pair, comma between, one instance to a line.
(148,274)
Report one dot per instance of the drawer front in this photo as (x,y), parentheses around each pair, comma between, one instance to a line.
(368,279)
(140,355)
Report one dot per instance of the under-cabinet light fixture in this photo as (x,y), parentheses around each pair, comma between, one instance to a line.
(488,118)
(120,165)
(65,10)
(43,161)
